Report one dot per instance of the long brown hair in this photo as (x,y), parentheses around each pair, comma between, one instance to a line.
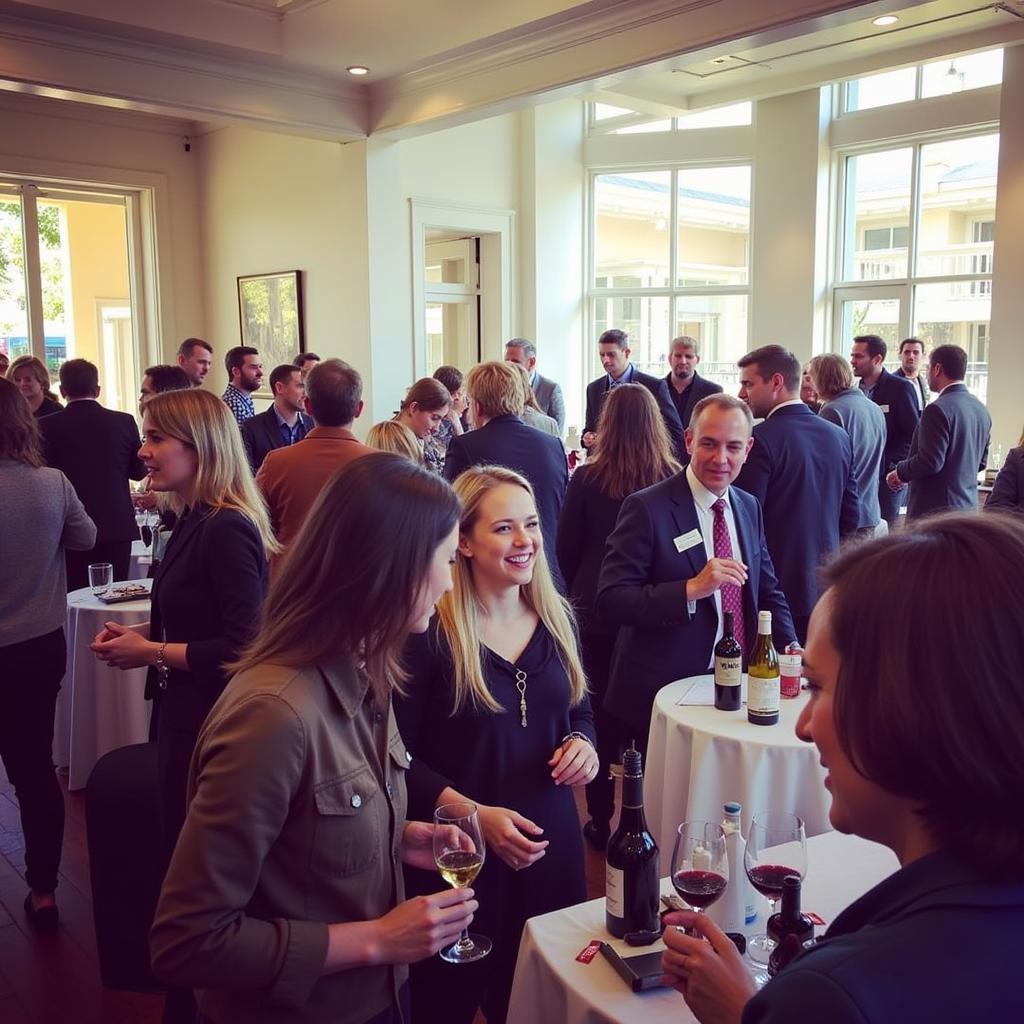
(19,429)
(633,449)
(348,583)
(937,722)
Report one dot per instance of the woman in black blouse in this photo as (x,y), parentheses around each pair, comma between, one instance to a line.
(634,452)
(497,708)
(1008,491)
(210,585)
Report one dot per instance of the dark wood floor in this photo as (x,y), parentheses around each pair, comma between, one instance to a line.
(54,979)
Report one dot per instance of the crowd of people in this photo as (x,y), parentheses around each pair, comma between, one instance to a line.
(346,636)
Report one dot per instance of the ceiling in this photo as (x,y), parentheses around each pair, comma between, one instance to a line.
(281,64)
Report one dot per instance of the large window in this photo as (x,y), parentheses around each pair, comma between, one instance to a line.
(66,283)
(606,119)
(916,252)
(670,256)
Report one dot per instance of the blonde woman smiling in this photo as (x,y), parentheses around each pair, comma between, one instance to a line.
(497,709)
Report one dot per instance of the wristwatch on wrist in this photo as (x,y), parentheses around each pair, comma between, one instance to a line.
(576,736)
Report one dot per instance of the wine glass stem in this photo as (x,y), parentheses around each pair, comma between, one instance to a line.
(465,942)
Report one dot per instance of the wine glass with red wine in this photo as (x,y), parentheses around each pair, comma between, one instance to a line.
(700,863)
(776,847)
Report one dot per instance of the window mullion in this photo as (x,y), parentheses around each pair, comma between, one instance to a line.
(33,271)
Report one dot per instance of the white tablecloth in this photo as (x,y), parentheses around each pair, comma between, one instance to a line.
(551,987)
(698,758)
(99,708)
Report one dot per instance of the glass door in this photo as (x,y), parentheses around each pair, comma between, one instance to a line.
(452,302)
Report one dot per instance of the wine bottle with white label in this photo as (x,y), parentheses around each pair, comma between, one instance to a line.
(631,881)
(763,690)
(728,668)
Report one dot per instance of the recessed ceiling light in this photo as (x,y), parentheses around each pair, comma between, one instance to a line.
(885,19)
(357,69)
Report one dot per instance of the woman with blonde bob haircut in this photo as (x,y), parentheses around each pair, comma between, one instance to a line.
(211,582)
(395,437)
(497,709)
(31,377)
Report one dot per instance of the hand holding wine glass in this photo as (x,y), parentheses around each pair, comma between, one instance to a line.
(776,847)
(459,852)
(700,863)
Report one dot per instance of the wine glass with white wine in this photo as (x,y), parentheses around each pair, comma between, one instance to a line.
(459,851)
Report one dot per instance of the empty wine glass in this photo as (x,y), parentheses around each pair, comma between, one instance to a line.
(776,847)
(101,576)
(700,863)
(459,851)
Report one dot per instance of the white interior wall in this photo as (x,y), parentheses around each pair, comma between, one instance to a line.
(552,234)
(789,226)
(1006,351)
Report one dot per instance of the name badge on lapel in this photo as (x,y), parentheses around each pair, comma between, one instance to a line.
(884,408)
(688,540)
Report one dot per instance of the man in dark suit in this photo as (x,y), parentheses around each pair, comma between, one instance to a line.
(801,471)
(911,355)
(501,438)
(950,446)
(686,387)
(895,397)
(676,558)
(613,348)
(284,423)
(547,392)
(97,449)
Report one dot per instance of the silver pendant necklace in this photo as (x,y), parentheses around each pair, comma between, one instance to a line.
(521,687)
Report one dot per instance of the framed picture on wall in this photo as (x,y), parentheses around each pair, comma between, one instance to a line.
(270,316)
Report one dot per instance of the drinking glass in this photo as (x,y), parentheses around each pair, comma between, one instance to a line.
(776,847)
(700,863)
(101,575)
(459,851)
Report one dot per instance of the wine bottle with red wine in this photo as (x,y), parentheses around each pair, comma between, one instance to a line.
(728,667)
(789,928)
(632,880)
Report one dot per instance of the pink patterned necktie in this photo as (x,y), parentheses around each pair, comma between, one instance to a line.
(732,596)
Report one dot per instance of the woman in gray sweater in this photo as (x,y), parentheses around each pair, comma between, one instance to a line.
(42,517)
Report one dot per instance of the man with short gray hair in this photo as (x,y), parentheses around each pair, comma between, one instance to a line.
(686,387)
(547,392)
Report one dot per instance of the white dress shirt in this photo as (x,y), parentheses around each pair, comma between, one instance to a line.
(703,500)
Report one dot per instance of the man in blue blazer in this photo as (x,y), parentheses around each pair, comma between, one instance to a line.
(284,423)
(896,397)
(950,446)
(801,471)
(501,438)
(613,348)
(663,574)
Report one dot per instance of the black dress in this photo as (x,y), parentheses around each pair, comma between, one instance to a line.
(489,757)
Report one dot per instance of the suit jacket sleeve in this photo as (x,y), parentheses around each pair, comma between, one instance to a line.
(247,773)
(757,470)
(456,460)
(250,445)
(233,546)
(427,669)
(932,444)
(590,418)
(79,532)
(905,415)
(569,545)
(849,512)
(136,470)
(557,408)
(671,417)
(770,597)
(624,594)
(1006,492)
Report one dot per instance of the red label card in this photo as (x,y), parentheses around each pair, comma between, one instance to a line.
(588,953)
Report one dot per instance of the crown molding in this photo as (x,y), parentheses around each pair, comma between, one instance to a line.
(569,52)
(153,77)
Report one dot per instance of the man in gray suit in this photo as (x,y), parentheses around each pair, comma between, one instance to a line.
(547,392)
(950,445)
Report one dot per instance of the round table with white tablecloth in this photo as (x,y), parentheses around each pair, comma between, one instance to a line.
(99,708)
(698,758)
(552,987)
(138,567)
